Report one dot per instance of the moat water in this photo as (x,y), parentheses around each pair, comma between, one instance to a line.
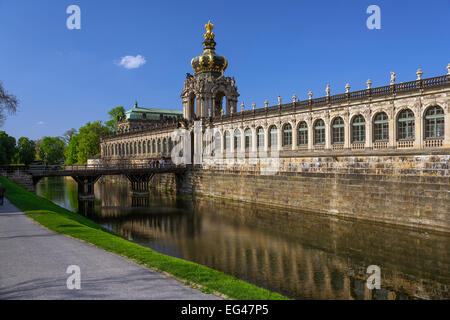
(298,254)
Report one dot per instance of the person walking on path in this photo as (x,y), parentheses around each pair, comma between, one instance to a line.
(2,194)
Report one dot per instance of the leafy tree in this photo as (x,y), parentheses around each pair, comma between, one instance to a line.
(86,143)
(51,150)
(8,102)
(114,114)
(26,150)
(37,144)
(89,138)
(7,148)
(71,152)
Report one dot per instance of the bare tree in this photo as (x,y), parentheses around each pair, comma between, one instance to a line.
(8,102)
(69,134)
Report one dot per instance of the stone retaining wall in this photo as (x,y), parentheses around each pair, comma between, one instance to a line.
(412,191)
(18,175)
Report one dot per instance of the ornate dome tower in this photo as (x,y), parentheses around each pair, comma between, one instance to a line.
(209,61)
(204,92)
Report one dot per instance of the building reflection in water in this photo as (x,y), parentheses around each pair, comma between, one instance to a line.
(302,255)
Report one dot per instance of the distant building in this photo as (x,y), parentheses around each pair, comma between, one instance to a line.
(139,118)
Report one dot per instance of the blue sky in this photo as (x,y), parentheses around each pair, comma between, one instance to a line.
(65,78)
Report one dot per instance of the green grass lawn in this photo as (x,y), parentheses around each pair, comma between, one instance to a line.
(69,223)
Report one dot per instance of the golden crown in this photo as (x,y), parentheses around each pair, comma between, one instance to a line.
(209,34)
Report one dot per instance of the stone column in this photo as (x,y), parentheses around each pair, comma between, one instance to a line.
(254,140)
(232,140)
(368,142)
(266,139)
(228,104)
(369,133)
(446,142)
(418,130)
(327,134)
(280,137)
(294,135)
(347,133)
(222,144)
(310,135)
(186,109)
(392,127)
(242,141)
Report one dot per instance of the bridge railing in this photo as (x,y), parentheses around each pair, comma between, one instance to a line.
(104,167)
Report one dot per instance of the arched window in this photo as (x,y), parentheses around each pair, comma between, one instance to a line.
(120,149)
(302,134)
(248,138)
(338,131)
(434,123)
(139,148)
(405,125)
(237,139)
(159,145)
(148,147)
(358,129)
(287,135)
(273,131)
(170,145)
(319,132)
(260,138)
(164,146)
(217,143)
(381,127)
(144,144)
(153,146)
(227,140)
(135,148)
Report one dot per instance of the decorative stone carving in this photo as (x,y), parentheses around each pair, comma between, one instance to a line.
(206,96)
(328,90)
(393,76)
(369,83)
(310,94)
(347,88)
(419,74)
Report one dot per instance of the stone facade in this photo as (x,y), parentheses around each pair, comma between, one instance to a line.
(375,143)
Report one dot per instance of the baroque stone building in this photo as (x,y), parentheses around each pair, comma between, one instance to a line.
(397,130)
(403,116)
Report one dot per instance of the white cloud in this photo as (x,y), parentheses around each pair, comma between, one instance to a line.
(40,123)
(130,62)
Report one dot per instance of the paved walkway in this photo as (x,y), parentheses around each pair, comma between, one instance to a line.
(34,260)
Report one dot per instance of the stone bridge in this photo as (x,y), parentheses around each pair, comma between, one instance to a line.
(87,175)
